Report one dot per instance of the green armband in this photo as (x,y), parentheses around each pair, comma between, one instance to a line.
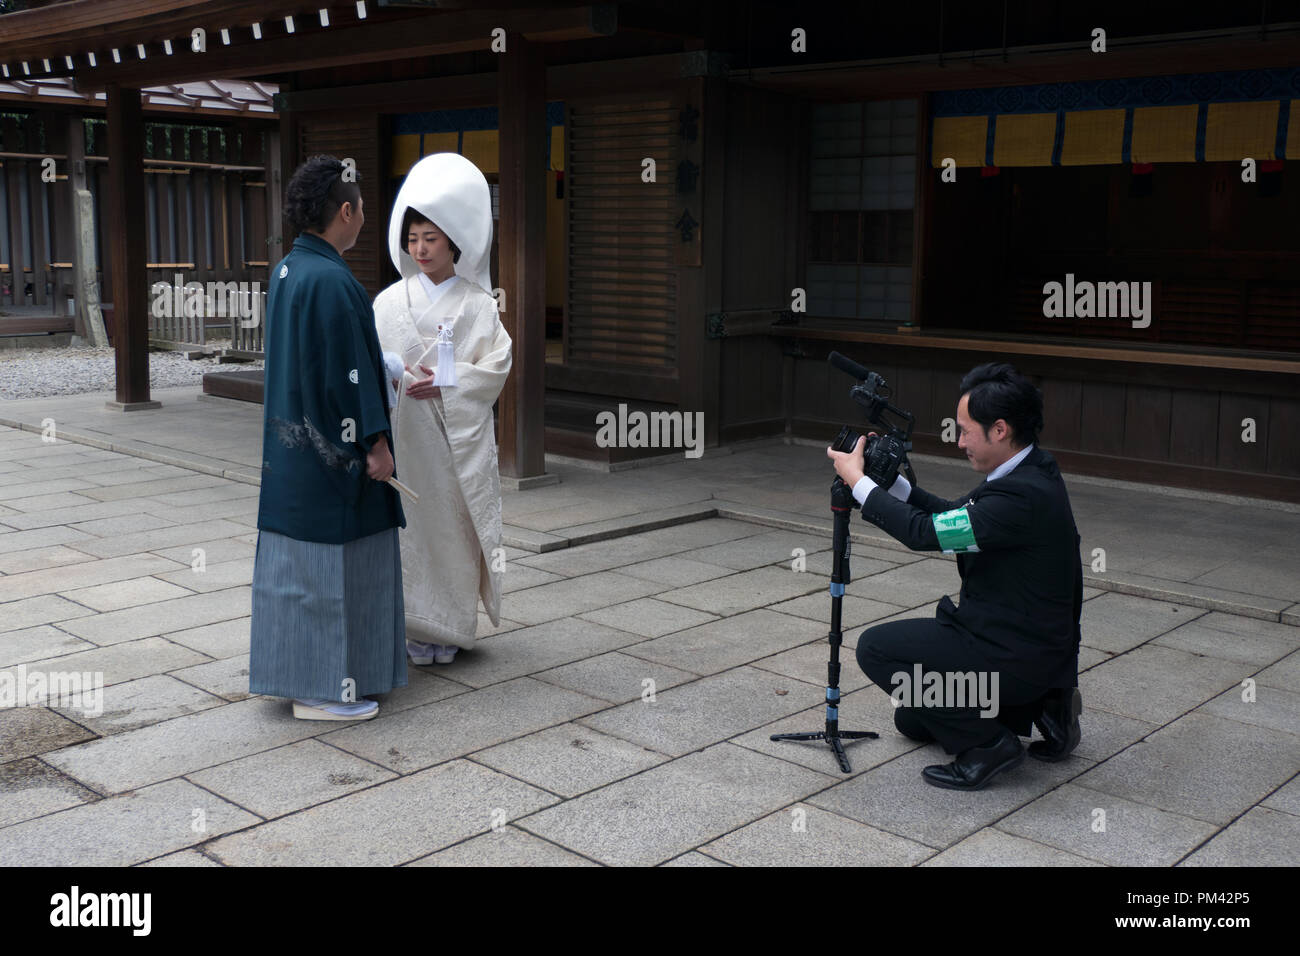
(954,531)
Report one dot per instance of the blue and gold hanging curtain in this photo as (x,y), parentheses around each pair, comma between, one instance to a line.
(470,132)
(1195,117)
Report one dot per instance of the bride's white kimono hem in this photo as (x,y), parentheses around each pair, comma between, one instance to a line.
(448,454)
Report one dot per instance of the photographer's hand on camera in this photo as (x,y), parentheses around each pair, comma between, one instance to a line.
(850,465)
(853,469)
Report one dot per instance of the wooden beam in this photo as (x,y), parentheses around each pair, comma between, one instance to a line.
(910,76)
(49,31)
(366,42)
(522,255)
(563,81)
(126,234)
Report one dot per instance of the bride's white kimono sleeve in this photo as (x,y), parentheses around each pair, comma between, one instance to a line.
(447,451)
(467,407)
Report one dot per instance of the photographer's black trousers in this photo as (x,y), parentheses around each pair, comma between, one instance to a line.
(893,648)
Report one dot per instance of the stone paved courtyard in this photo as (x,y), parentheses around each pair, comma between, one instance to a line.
(656,633)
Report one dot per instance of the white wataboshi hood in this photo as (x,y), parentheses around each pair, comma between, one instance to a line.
(452,192)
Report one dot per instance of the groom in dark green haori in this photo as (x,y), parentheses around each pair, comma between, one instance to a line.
(328,621)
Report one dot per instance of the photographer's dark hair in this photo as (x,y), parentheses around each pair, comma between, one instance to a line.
(317,192)
(413,216)
(996,390)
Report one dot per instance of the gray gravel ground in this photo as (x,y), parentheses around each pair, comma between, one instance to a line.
(41,372)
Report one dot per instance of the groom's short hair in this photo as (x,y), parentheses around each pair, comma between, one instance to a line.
(316,193)
(412,216)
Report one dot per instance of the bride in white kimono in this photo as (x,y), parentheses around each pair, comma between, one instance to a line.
(440,330)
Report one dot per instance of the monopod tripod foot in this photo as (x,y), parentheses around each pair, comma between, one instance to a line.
(833,740)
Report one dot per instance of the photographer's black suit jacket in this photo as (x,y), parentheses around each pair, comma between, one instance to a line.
(1022,590)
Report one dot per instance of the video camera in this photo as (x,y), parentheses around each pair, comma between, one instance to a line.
(884,454)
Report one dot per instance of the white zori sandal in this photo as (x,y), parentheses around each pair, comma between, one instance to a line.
(319,709)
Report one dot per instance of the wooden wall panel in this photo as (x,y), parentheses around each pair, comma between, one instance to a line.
(1234,453)
(622,273)
(355,135)
(1194,427)
(1146,422)
(1284,436)
(1102,418)
(1061,412)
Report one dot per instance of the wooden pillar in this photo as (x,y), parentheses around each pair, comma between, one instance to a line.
(126,233)
(272,160)
(13,183)
(36,194)
(521,92)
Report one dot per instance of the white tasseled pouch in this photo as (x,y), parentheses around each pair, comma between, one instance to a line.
(445,374)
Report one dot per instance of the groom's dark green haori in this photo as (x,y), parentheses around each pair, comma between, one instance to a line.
(328,620)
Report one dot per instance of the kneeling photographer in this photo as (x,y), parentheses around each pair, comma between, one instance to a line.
(1017,625)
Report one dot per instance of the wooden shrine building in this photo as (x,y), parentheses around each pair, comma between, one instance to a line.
(697,201)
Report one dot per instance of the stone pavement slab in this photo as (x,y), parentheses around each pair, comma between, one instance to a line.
(1269,707)
(220,640)
(1157,684)
(566,598)
(124,829)
(694,858)
(1244,647)
(676,571)
(992,847)
(691,716)
(508,846)
(181,858)
(26,731)
(893,797)
(746,590)
(528,650)
(130,624)
(675,807)
(298,775)
(1200,766)
(1284,674)
(729,642)
(855,612)
(569,759)
(804,835)
(226,678)
(213,577)
(1120,622)
(39,559)
(1107,828)
(29,788)
(436,732)
(1286,798)
(122,662)
(134,759)
(405,819)
(44,609)
(35,643)
(84,574)
(615,677)
(648,617)
(122,594)
(140,703)
(1261,836)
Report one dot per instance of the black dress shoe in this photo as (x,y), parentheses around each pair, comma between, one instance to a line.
(974,768)
(1059,725)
